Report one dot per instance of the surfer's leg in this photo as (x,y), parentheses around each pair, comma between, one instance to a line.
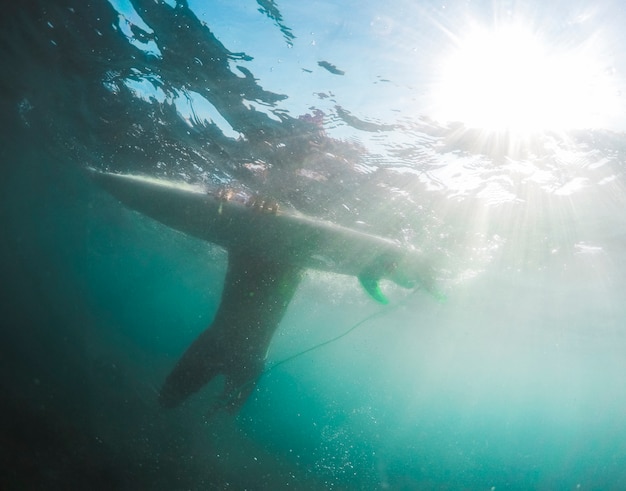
(237,388)
(201,362)
(255,296)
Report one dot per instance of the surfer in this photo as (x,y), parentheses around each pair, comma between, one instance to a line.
(255,297)
(268,251)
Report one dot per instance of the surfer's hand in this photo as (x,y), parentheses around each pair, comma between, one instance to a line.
(265,205)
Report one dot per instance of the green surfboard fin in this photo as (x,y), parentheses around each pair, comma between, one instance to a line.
(373,288)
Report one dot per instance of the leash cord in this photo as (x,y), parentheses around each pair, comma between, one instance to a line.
(385,310)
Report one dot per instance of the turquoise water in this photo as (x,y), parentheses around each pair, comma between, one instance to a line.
(515,382)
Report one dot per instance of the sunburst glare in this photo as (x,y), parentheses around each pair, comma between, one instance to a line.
(509,78)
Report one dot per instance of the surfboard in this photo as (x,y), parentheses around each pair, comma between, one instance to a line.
(283,236)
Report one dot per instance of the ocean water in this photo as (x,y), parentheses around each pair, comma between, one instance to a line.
(514,382)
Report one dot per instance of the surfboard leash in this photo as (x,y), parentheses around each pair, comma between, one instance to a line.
(387,309)
(382,311)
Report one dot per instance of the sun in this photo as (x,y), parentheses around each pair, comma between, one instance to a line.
(509,79)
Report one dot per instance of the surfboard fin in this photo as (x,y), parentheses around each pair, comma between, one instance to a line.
(372,287)
(407,273)
(370,277)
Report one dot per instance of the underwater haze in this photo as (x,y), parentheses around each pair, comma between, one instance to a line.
(426,122)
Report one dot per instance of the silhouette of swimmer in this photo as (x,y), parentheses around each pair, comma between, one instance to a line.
(256,295)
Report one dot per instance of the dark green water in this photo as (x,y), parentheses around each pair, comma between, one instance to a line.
(516,382)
